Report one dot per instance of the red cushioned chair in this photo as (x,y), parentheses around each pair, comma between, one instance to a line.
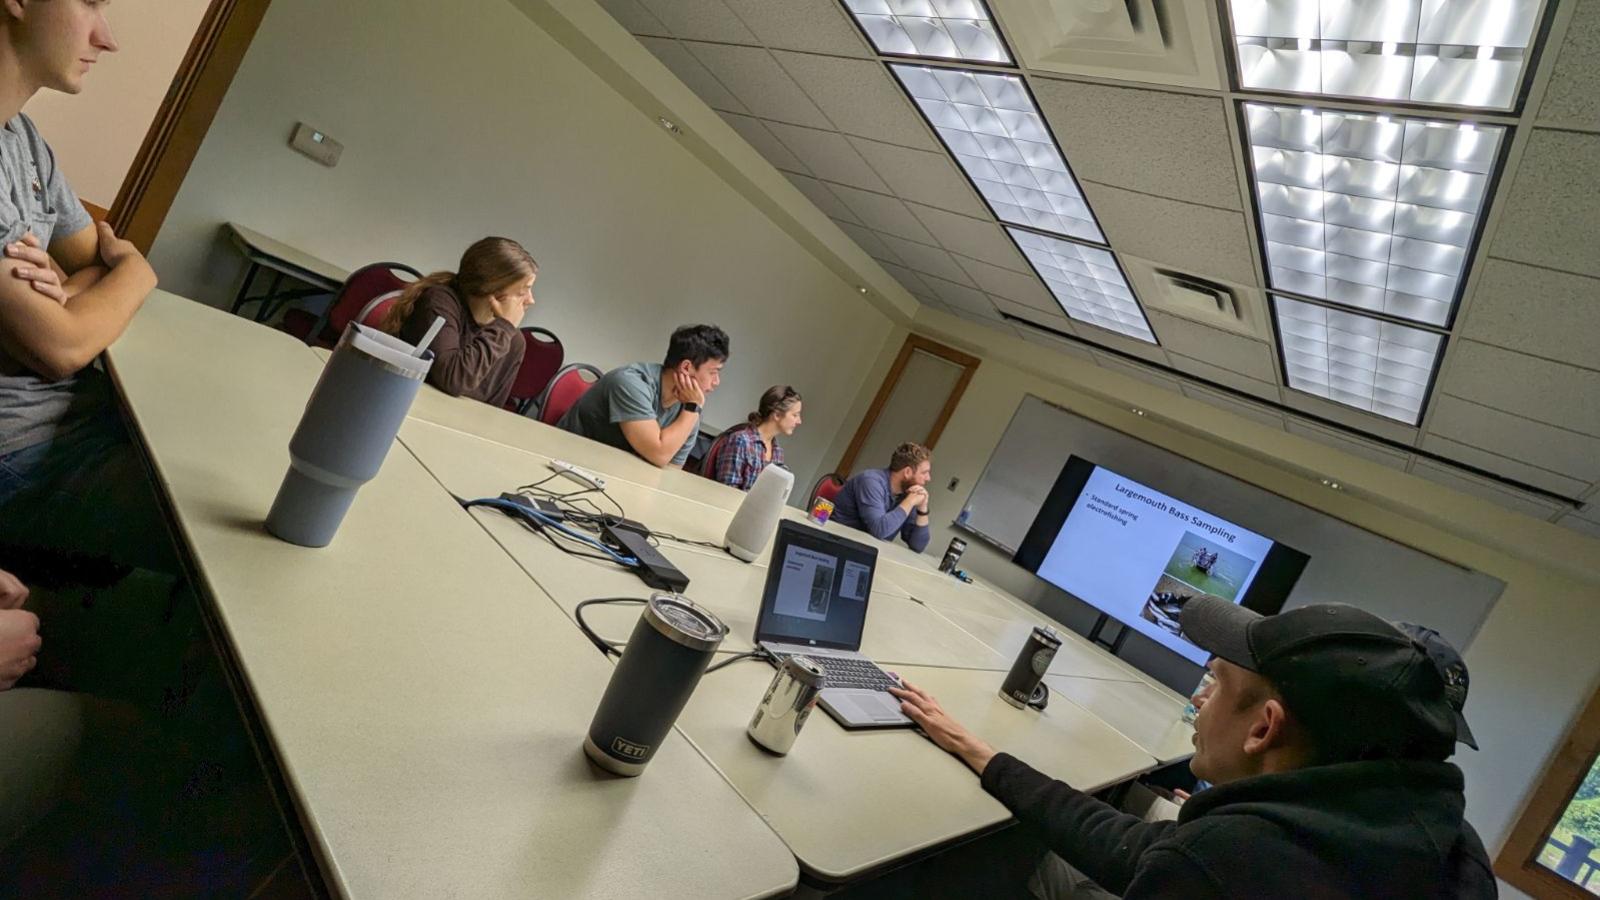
(828,488)
(708,464)
(564,390)
(361,288)
(541,360)
(373,313)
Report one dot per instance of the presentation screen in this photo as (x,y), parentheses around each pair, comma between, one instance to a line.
(1140,555)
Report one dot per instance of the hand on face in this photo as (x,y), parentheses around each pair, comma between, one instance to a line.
(13,593)
(688,387)
(919,497)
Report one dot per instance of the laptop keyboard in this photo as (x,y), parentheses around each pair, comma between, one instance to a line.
(853,673)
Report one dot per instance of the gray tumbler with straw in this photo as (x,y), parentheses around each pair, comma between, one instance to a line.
(347,428)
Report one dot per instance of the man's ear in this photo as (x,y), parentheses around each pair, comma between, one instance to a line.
(1269,728)
(15,8)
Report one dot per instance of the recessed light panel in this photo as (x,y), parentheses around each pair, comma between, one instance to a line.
(944,29)
(1086,282)
(1370,211)
(1359,361)
(1439,52)
(997,136)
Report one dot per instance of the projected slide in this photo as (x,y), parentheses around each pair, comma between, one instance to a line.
(1140,555)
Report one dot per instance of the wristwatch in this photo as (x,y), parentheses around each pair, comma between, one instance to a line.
(691,406)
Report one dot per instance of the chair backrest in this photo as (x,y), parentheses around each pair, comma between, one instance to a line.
(564,390)
(372,314)
(362,287)
(708,463)
(541,359)
(828,488)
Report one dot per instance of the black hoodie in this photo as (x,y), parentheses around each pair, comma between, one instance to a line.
(1362,829)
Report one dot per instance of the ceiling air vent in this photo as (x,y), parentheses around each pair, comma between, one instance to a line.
(1197,298)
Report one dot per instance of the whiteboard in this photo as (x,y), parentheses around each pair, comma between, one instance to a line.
(1348,564)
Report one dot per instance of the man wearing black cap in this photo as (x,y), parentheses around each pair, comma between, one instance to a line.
(1325,741)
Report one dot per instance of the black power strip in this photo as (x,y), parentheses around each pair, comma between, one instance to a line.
(654,569)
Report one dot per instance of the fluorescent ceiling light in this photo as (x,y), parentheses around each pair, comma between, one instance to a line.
(1439,52)
(997,136)
(1370,211)
(943,29)
(1357,360)
(1086,282)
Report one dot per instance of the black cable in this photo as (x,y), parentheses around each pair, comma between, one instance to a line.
(609,648)
(757,653)
(681,540)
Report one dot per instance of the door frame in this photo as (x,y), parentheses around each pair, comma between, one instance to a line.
(914,342)
(184,117)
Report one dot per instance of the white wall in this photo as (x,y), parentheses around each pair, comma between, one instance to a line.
(1533,663)
(97,133)
(456,126)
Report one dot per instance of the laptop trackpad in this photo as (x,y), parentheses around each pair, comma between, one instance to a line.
(869,706)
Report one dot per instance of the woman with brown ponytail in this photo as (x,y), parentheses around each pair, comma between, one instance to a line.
(739,455)
(479,350)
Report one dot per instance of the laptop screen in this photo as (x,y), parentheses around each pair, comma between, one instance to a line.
(817,589)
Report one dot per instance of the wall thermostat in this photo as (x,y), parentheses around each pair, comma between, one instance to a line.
(316,144)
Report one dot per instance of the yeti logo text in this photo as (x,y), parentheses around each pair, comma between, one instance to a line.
(629,749)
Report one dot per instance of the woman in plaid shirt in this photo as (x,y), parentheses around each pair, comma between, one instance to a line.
(740,454)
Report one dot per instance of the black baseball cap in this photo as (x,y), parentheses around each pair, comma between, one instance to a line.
(1344,671)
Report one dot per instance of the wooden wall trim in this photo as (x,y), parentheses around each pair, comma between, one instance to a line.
(1516,862)
(185,115)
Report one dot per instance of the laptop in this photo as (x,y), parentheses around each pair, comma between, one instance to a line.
(815,604)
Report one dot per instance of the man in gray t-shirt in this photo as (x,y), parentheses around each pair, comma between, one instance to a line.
(69,477)
(651,409)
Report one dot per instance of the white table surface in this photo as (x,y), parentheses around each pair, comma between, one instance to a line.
(269,251)
(424,699)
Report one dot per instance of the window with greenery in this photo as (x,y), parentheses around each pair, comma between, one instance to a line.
(1554,849)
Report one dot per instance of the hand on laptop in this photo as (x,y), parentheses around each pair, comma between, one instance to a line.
(922,708)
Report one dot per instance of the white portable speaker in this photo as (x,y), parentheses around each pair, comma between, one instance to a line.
(757,518)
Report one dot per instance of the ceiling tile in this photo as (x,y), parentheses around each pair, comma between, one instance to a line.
(1266,390)
(692,73)
(1125,345)
(815,26)
(760,83)
(1134,370)
(1220,348)
(1508,435)
(1197,239)
(978,239)
(1544,391)
(870,241)
(1354,446)
(633,16)
(1509,498)
(1054,343)
(818,193)
(1025,289)
(957,294)
(828,155)
(1170,145)
(993,323)
(1538,311)
(1238,407)
(922,176)
(700,20)
(907,278)
(860,97)
(927,260)
(1577,523)
(756,135)
(1516,470)
(1572,99)
(882,213)
(1552,212)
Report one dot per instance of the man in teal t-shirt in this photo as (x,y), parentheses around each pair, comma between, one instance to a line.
(653,409)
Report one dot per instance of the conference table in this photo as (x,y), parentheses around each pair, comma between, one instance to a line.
(423,688)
